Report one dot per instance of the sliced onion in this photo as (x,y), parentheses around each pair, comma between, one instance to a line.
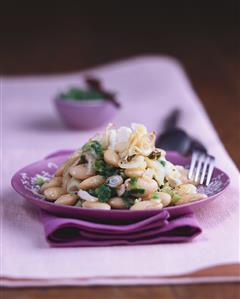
(114,181)
(86,196)
(121,190)
(73,186)
(136,162)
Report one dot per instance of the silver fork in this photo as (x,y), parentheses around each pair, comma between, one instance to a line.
(201,167)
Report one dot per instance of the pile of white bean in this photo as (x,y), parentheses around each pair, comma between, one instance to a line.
(72,181)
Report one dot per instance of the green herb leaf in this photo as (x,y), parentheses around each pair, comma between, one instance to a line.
(133,180)
(129,196)
(128,199)
(163,163)
(128,202)
(104,169)
(103,193)
(167,189)
(92,192)
(175,198)
(75,93)
(40,180)
(155,195)
(94,147)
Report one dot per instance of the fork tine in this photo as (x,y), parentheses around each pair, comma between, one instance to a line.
(201,158)
(210,170)
(205,165)
(192,165)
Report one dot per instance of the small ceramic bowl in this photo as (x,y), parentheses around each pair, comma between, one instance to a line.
(85,114)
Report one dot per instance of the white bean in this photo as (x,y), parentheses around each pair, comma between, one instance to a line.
(165,198)
(136,172)
(92,182)
(136,162)
(80,172)
(60,170)
(67,199)
(54,193)
(190,197)
(186,189)
(148,174)
(147,205)
(149,186)
(54,182)
(96,205)
(65,165)
(111,157)
(184,175)
(117,203)
(173,182)
(66,179)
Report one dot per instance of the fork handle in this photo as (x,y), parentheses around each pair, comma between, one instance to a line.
(197,146)
(171,120)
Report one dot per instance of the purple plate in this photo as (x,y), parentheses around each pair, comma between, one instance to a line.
(22,182)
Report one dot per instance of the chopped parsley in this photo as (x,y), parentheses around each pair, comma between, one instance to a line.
(104,169)
(92,192)
(40,180)
(175,196)
(128,199)
(133,181)
(167,189)
(94,147)
(75,93)
(155,195)
(135,190)
(129,196)
(104,193)
(163,163)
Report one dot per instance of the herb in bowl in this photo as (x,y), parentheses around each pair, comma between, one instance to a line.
(75,93)
(93,91)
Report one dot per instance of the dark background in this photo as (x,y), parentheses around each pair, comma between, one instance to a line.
(39,37)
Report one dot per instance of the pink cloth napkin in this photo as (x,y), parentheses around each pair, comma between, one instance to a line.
(149,87)
(69,232)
